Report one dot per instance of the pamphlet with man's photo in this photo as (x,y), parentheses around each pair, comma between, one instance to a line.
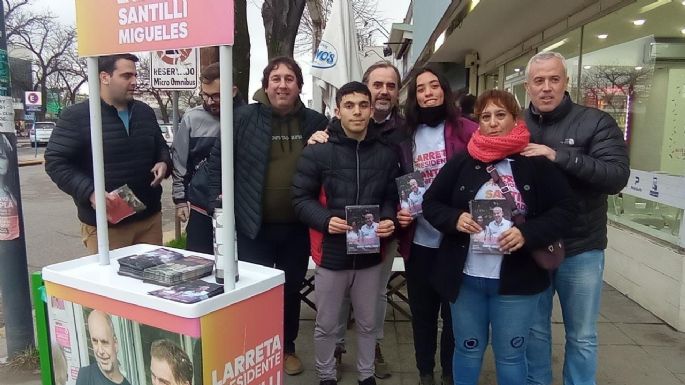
(494,217)
(362,237)
(411,188)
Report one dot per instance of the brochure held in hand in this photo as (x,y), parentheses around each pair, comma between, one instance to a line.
(362,238)
(494,217)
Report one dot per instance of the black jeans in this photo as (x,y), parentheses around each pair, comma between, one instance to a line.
(284,247)
(425,304)
(199,233)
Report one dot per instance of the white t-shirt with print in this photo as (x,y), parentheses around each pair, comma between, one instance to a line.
(489,265)
(429,157)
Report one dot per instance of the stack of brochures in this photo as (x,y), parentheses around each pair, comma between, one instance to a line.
(165,267)
(134,265)
(189,292)
(181,270)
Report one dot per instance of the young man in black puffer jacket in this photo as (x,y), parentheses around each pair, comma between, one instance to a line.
(350,169)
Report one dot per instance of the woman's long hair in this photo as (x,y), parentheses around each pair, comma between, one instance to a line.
(412,105)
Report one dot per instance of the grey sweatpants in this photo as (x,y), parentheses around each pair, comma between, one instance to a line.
(382,303)
(330,287)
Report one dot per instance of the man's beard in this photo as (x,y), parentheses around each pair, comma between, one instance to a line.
(386,107)
(208,108)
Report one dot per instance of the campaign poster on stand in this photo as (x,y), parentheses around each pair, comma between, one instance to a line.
(89,345)
(246,347)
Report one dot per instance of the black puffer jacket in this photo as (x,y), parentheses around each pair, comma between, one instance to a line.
(252,143)
(349,173)
(129,157)
(593,155)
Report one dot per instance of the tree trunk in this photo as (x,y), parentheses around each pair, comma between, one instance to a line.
(241,50)
(281,22)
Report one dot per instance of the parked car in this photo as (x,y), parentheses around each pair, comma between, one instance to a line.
(167,132)
(40,133)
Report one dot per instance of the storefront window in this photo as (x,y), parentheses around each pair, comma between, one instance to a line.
(515,76)
(491,81)
(633,67)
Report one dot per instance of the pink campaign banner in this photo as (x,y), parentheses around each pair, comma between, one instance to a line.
(107,27)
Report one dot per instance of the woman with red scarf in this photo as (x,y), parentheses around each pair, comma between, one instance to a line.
(495,288)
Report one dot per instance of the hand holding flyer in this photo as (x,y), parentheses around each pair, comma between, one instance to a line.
(411,188)
(494,217)
(121,204)
(362,238)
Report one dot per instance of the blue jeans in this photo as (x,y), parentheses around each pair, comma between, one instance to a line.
(479,306)
(578,281)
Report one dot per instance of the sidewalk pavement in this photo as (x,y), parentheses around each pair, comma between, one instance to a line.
(635,348)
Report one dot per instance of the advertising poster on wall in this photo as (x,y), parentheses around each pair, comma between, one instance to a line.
(9,188)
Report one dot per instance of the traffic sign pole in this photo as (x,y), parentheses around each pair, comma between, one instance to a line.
(14,275)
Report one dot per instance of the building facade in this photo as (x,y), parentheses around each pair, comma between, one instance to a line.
(624,57)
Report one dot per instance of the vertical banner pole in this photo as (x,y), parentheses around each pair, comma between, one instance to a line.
(98,160)
(174,129)
(226,110)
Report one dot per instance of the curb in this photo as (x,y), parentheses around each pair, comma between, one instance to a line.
(30,162)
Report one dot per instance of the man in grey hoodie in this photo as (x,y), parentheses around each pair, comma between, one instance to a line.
(192,144)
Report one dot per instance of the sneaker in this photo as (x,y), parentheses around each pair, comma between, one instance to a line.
(381,367)
(328,382)
(447,380)
(426,379)
(368,381)
(339,350)
(292,364)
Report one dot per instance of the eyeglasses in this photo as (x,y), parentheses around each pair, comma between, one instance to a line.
(214,98)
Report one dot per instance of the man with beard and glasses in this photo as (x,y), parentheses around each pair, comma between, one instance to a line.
(193,142)
(105,369)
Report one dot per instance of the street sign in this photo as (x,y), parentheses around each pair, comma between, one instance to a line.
(6,114)
(174,69)
(33,99)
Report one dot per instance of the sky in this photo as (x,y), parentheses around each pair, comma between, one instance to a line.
(391,10)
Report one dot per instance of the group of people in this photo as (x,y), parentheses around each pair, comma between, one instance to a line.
(296,172)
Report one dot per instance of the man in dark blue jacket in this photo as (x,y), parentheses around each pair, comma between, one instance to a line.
(588,146)
(135,154)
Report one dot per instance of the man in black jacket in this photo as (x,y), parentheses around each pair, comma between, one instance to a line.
(383,80)
(135,154)
(269,137)
(588,146)
(352,168)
